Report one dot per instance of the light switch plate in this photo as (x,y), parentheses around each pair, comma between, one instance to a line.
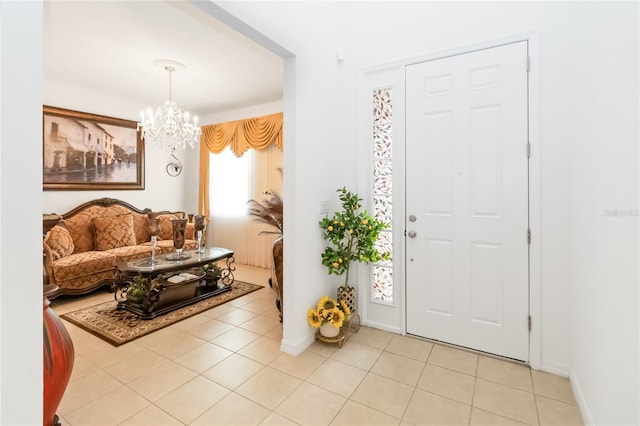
(324,206)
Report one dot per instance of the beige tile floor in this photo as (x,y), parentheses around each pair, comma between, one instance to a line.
(224,367)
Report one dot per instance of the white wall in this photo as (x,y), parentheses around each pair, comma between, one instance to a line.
(604,136)
(320,152)
(576,42)
(243,113)
(20,214)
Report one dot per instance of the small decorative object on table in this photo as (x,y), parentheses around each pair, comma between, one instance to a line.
(328,317)
(213,274)
(137,291)
(199,226)
(154,230)
(179,228)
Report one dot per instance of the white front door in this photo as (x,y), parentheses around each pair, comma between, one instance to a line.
(467,200)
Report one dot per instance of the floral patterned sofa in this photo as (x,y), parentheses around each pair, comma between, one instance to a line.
(83,246)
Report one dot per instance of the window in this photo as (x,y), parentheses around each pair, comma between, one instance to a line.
(382,282)
(231,183)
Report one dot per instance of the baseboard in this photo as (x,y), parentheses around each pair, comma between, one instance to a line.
(579,396)
(557,368)
(383,327)
(296,348)
(564,370)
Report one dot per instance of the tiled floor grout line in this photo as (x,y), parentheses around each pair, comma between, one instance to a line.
(473,393)
(413,391)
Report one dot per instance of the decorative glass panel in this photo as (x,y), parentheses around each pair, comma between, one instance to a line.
(382,112)
(384,244)
(382,209)
(382,172)
(383,284)
(382,287)
(382,138)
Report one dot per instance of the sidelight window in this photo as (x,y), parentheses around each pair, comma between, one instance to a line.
(382,142)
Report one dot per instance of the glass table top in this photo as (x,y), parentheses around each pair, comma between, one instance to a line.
(168,261)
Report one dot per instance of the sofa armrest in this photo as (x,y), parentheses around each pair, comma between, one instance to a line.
(47,260)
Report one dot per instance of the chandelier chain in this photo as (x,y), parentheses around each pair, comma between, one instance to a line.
(171,70)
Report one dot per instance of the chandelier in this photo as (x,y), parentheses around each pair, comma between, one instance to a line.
(169,127)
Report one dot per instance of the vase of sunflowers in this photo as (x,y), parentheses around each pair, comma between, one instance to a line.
(328,316)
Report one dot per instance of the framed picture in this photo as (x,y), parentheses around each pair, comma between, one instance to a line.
(83,151)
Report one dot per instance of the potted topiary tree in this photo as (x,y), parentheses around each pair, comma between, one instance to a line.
(352,234)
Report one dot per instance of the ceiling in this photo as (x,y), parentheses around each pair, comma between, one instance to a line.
(110,47)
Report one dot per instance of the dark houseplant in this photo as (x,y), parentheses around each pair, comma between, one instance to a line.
(213,273)
(270,212)
(352,234)
(137,290)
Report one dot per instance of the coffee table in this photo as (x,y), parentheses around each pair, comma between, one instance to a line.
(172,283)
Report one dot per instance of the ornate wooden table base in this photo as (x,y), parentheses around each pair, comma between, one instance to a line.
(165,296)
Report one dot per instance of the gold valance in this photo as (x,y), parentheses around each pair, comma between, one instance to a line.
(257,133)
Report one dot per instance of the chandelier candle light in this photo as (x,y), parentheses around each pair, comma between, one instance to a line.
(169,127)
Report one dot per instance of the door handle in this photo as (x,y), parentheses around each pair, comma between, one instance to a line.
(412,234)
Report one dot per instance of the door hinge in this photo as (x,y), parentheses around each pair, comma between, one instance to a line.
(528,149)
(528,63)
(529,322)
(529,236)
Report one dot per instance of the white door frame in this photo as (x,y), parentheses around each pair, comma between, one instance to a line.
(393,75)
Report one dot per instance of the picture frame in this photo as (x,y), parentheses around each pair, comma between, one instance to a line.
(84,151)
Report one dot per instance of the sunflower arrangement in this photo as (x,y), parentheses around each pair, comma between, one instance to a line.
(328,311)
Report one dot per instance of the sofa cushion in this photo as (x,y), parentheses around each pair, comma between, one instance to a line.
(83,264)
(131,252)
(166,227)
(141,227)
(113,232)
(59,241)
(80,228)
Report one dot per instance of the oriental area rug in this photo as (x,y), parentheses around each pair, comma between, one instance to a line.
(119,326)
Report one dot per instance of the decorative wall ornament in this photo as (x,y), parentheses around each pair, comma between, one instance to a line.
(174,168)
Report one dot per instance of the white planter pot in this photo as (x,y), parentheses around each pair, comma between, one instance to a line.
(327,330)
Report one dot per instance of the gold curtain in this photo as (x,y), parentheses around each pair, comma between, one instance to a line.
(257,133)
